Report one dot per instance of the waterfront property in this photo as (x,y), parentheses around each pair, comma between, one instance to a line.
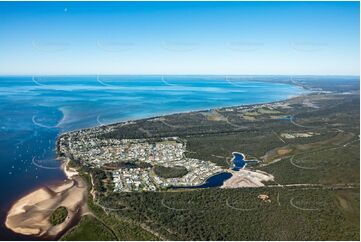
(132,160)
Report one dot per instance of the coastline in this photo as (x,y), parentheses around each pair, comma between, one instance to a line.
(305,89)
(41,195)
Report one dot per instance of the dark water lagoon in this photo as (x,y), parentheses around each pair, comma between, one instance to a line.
(240,162)
(36,110)
(213,181)
(217,180)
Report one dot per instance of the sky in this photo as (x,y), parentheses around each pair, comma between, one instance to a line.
(180,38)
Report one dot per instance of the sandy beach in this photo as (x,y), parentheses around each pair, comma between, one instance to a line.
(30,214)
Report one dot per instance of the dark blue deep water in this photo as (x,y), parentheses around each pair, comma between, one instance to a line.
(35,110)
(213,181)
(240,162)
(217,180)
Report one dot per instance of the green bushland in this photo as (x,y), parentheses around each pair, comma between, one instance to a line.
(205,215)
(331,166)
(58,216)
(123,229)
(89,228)
(116,228)
(170,172)
(209,214)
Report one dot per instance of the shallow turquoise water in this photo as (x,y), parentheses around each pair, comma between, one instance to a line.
(35,110)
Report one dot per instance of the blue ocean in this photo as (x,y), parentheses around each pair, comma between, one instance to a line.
(36,109)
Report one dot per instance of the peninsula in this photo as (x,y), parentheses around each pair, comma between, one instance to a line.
(141,173)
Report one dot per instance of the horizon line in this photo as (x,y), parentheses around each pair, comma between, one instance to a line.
(119,74)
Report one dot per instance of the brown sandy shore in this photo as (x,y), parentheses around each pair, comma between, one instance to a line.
(30,215)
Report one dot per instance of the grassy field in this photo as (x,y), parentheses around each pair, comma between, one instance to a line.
(170,172)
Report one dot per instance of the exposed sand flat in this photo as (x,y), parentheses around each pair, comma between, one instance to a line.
(247,178)
(61,187)
(30,215)
(69,172)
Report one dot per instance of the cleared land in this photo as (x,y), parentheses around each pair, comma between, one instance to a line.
(170,172)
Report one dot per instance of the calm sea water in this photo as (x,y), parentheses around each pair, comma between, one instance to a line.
(35,110)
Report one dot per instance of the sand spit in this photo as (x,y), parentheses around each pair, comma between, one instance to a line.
(247,178)
(30,214)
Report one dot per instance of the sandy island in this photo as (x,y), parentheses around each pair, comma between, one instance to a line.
(30,214)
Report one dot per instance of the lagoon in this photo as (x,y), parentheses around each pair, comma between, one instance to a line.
(213,181)
(240,161)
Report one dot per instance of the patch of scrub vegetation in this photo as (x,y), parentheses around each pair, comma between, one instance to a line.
(58,216)
(267,110)
(170,172)
(329,166)
(254,113)
(118,227)
(89,228)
